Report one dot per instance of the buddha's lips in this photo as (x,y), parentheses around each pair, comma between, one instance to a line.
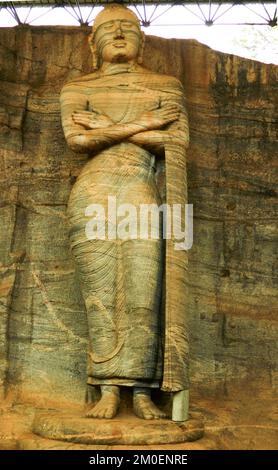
(119,43)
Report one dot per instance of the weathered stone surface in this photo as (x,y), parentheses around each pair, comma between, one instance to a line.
(246,419)
(124,430)
(232,176)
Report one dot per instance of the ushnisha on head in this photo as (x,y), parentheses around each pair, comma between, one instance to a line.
(116,36)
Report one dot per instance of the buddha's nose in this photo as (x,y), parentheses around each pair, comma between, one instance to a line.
(119,32)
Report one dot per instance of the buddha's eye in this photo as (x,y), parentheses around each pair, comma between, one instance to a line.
(127,24)
(108,25)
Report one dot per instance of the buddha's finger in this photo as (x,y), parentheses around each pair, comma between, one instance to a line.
(170,111)
(84,115)
(78,117)
(154,107)
(171,108)
(84,122)
(174,117)
(171,119)
(169,114)
(87,112)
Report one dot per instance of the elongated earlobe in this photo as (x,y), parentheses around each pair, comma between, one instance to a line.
(141,50)
(94,52)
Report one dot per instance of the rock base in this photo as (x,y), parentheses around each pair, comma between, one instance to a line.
(123,430)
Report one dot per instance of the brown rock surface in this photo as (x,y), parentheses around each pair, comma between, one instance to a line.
(232,173)
(246,419)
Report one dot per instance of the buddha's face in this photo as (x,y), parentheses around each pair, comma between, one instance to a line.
(118,41)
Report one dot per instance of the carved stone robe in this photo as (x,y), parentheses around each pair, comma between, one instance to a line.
(134,289)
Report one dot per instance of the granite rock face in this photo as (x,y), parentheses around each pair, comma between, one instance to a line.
(232,176)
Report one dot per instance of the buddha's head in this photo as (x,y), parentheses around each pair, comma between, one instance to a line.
(116,36)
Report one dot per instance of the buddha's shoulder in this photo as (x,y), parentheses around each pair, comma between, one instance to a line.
(81,82)
(164,79)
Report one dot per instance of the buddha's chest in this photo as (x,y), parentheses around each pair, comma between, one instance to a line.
(123,103)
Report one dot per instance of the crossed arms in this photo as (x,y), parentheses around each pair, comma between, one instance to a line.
(89,131)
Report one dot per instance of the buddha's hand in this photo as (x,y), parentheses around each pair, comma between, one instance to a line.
(91,120)
(159,116)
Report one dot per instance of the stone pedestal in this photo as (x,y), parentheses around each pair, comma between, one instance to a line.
(124,430)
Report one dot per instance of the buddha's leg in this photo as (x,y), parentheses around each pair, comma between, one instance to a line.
(97,267)
(143,271)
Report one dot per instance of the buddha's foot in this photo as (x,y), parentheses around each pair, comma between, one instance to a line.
(107,407)
(145,408)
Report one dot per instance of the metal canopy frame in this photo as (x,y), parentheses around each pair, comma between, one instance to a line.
(207,12)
